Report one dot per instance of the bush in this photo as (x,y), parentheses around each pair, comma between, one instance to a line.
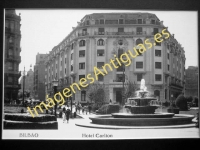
(181,102)
(189,98)
(195,102)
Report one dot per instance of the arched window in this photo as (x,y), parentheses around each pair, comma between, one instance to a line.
(139,41)
(100,42)
(82,43)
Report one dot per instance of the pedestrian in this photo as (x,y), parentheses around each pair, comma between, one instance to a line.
(83,109)
(86,109)
(64,114)
(67,114)
(89,108)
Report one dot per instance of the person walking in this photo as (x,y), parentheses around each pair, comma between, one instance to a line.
(86,109)
(64,114)
(89,108)
(67,114)
(83,109)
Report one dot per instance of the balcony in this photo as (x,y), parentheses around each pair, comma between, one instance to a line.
(83,34)
(119,33)
(118,80)
(99,33)
(120,69)
(141,33)
(176,85)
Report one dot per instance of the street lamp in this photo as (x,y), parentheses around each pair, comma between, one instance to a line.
(23,86)
(55,84)
(123,84)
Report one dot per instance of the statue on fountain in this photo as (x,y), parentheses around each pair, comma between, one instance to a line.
(143,88)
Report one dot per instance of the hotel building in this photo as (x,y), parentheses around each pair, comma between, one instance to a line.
(100,36)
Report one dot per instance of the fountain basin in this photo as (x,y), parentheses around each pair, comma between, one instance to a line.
(177,119)
(142,109)
(156,115)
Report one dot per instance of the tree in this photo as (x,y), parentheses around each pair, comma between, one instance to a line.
(97,93)
(181,102)
(128,91)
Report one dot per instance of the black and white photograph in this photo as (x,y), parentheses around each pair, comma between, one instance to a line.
(96,74)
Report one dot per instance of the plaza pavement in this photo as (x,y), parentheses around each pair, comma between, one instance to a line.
(72,131)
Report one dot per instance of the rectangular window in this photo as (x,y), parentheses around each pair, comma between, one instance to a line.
(84,31)
(155,30)
(158,77)
(81,65)
(65,60)
(158,53)
(120,52)
(119,78)
(82,53)
(61,63)
(140,54)
(100,77)
(139,76)
(83,95)
(100,52)
(10,66)
(81,76)
(101,31)
(139,21)
(87,22)
(167,55)
(158,44)
(120,29)
(158,65)
(96,21)
(72,56)
(10,79)
(139,30)
(168,67)
(100,64)
(139,64)
(153,21)
(121,21)
(71,67)
(65,70)
(101,21)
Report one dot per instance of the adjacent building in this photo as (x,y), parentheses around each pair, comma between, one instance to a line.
(28,80)
(191,85)
(12,56)
(39,77)
(100,37)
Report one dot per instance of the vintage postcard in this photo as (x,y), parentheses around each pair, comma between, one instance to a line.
(92,74)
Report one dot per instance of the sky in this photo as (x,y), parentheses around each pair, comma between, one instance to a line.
(42,29)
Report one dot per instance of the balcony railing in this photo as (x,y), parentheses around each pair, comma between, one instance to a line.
(118,80)
(119,33)
(83,34)
(176,85)
(141,33)
(120,68)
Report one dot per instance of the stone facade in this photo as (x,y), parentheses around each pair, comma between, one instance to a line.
(12,56)
(99,37)
(39,77)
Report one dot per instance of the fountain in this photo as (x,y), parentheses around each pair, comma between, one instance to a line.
(142,108)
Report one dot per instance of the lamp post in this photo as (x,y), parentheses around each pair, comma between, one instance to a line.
(23,86)
(55,84)
(123,84)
